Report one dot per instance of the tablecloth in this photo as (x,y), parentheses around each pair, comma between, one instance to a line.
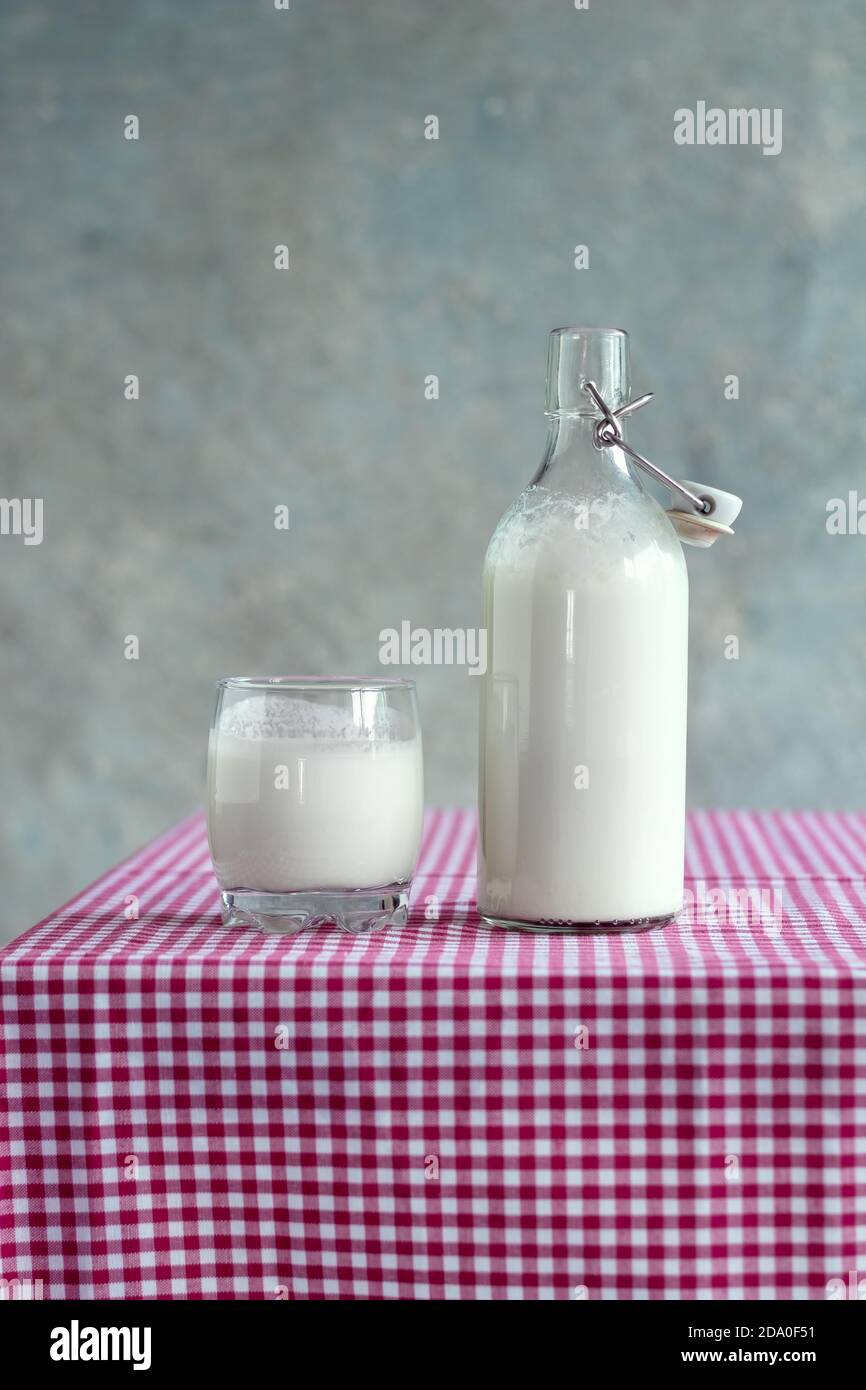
(444,1111)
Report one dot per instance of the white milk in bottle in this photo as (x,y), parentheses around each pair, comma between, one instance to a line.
(583,706)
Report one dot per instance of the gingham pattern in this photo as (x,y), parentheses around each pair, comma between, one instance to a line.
(431,1128)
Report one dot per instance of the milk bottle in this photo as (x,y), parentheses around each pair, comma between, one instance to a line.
(583,705)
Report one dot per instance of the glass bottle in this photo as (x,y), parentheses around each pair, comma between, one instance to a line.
(583,704)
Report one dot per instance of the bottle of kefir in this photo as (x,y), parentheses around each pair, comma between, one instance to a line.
(583,706)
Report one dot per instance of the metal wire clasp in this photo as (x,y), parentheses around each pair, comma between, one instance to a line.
(607,434)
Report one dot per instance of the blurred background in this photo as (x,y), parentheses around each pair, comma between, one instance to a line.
(408,257)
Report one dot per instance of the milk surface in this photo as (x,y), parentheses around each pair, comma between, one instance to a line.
(301,798)
(583,712)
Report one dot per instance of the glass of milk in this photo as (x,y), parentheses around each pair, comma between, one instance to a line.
(315,800)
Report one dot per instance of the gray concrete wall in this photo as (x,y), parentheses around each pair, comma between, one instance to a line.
(408,257)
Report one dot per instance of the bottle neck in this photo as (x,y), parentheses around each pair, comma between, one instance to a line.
(572,462)
(576,356)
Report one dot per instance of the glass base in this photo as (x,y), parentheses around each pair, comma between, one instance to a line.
(562,928)
(351,909)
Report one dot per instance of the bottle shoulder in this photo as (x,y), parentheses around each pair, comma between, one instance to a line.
(548,528)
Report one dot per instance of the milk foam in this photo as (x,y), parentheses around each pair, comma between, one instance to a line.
(270,715)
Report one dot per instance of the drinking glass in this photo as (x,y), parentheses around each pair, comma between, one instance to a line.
(315,800)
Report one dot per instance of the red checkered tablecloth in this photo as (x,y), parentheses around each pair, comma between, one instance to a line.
(446,1111)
